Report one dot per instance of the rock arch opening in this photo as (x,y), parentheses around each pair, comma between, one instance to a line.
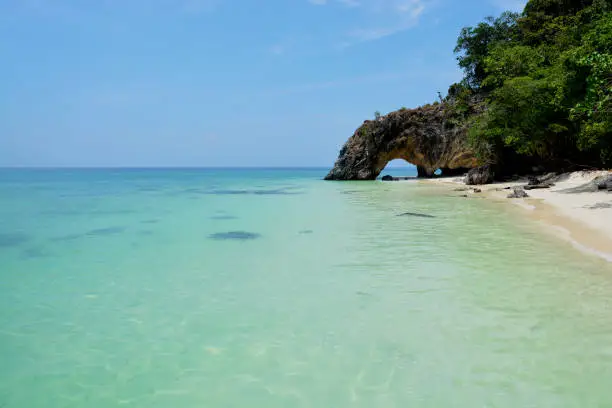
(399,168)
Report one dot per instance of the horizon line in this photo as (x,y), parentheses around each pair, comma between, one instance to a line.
(174,167)
(157,167)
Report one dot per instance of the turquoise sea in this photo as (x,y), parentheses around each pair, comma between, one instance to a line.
(271,288)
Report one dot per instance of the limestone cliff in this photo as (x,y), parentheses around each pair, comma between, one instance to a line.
(430,137)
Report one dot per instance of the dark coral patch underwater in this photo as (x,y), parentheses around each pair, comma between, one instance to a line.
(12,239)
(234,236)
(99,232)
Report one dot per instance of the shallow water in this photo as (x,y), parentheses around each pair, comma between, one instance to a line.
(271,288)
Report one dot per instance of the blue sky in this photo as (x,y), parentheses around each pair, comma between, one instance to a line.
(215,82)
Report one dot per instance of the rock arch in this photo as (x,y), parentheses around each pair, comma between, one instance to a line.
(427,137)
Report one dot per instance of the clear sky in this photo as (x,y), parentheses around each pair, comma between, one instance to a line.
(215,82)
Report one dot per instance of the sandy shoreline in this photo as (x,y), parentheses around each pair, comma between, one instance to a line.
(583,219)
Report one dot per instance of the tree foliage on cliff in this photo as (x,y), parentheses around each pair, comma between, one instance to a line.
(547,77)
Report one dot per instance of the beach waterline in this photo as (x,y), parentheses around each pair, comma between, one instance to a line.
(254,288)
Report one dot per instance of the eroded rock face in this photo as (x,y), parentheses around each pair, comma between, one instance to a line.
(428,137)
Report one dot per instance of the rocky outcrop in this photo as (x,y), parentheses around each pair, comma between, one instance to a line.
(599,183)
(604,183)
(429,137)
(480,175)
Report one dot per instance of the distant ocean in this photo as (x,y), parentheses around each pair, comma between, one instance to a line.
(272,288)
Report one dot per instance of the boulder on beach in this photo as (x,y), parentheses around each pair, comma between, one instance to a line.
(518,192)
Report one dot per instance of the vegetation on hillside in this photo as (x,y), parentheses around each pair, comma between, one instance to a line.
(546,78)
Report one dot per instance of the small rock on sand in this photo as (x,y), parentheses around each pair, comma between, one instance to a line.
(538,186)
(518,192)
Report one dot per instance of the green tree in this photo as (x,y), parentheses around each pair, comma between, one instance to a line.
(547,78)
(474,44)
